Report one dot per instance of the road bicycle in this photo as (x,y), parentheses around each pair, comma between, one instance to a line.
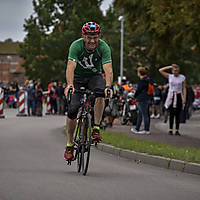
(83,133)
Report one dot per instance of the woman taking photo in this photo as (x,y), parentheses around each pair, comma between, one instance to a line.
(142,101)
(176,97)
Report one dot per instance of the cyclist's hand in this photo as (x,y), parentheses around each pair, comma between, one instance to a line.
(67,90)
(106,92)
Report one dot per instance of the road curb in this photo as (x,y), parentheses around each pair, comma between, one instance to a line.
(173,164)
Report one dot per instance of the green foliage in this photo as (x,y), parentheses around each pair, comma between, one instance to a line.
(156,33)
(50,31)
(111,26)
(8,40)
(169,30)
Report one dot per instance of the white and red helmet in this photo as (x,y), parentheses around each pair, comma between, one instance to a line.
(91,28)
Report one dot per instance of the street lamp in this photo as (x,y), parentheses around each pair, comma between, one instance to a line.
(121,18)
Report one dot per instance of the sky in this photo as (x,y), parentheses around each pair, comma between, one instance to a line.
(13,13)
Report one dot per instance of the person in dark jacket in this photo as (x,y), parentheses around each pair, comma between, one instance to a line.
(39,98)
(31,99)
(142,101)
(53,97)
(60,98)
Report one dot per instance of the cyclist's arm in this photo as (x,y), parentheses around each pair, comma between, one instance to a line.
(109,77)
(71,65)
(109,73)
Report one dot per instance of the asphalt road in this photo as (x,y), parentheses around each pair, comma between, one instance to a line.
(32,167)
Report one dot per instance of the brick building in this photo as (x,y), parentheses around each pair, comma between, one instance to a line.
(10,63)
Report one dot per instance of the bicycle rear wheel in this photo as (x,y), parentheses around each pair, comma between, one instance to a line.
(86,144)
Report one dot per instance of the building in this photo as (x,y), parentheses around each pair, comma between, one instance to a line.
(10,63)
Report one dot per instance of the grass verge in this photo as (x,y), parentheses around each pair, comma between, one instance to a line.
(153,148)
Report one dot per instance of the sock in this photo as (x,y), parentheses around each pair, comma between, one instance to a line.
(96,127)
(69,145)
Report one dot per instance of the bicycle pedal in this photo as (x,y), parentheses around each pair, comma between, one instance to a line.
(69,162)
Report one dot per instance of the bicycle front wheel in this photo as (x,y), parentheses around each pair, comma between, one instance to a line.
(77,144)
(86,144)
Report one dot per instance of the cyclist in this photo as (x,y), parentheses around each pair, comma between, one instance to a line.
(86,58)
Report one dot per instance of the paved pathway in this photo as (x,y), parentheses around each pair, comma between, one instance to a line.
(32,167)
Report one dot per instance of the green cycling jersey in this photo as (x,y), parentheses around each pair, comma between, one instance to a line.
(89,63)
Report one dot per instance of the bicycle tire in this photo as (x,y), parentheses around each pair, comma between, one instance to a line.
(78,160)
(78,145)
(86,144)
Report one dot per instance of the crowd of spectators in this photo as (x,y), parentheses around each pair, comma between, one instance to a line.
(35,96)
(11,93)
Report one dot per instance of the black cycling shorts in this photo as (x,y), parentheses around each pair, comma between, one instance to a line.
(95,83)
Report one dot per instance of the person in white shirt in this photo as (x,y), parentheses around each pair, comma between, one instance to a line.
(176,97)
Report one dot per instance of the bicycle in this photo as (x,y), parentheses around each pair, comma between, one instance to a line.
(83,133)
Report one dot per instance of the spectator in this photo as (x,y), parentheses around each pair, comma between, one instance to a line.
(143,101)
(17,89)
(196,103)
(125,88)
(197,93)
(39,100)
(31,99)
(12,101)
(6,93)
(26,85)
(40,84)
(50,85)
(189,101)
(60,99)
(12,88)
(176,97)
(53,97)
(157,97)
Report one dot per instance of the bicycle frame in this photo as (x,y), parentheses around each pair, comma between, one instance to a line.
(82,137)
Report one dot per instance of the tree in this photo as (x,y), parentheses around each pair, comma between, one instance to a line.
(169,31)
(112,34)
(8,40)
(50,31)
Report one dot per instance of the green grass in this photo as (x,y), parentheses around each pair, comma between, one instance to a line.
(153,148)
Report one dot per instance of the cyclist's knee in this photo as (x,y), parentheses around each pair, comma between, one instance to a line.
(99,100)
